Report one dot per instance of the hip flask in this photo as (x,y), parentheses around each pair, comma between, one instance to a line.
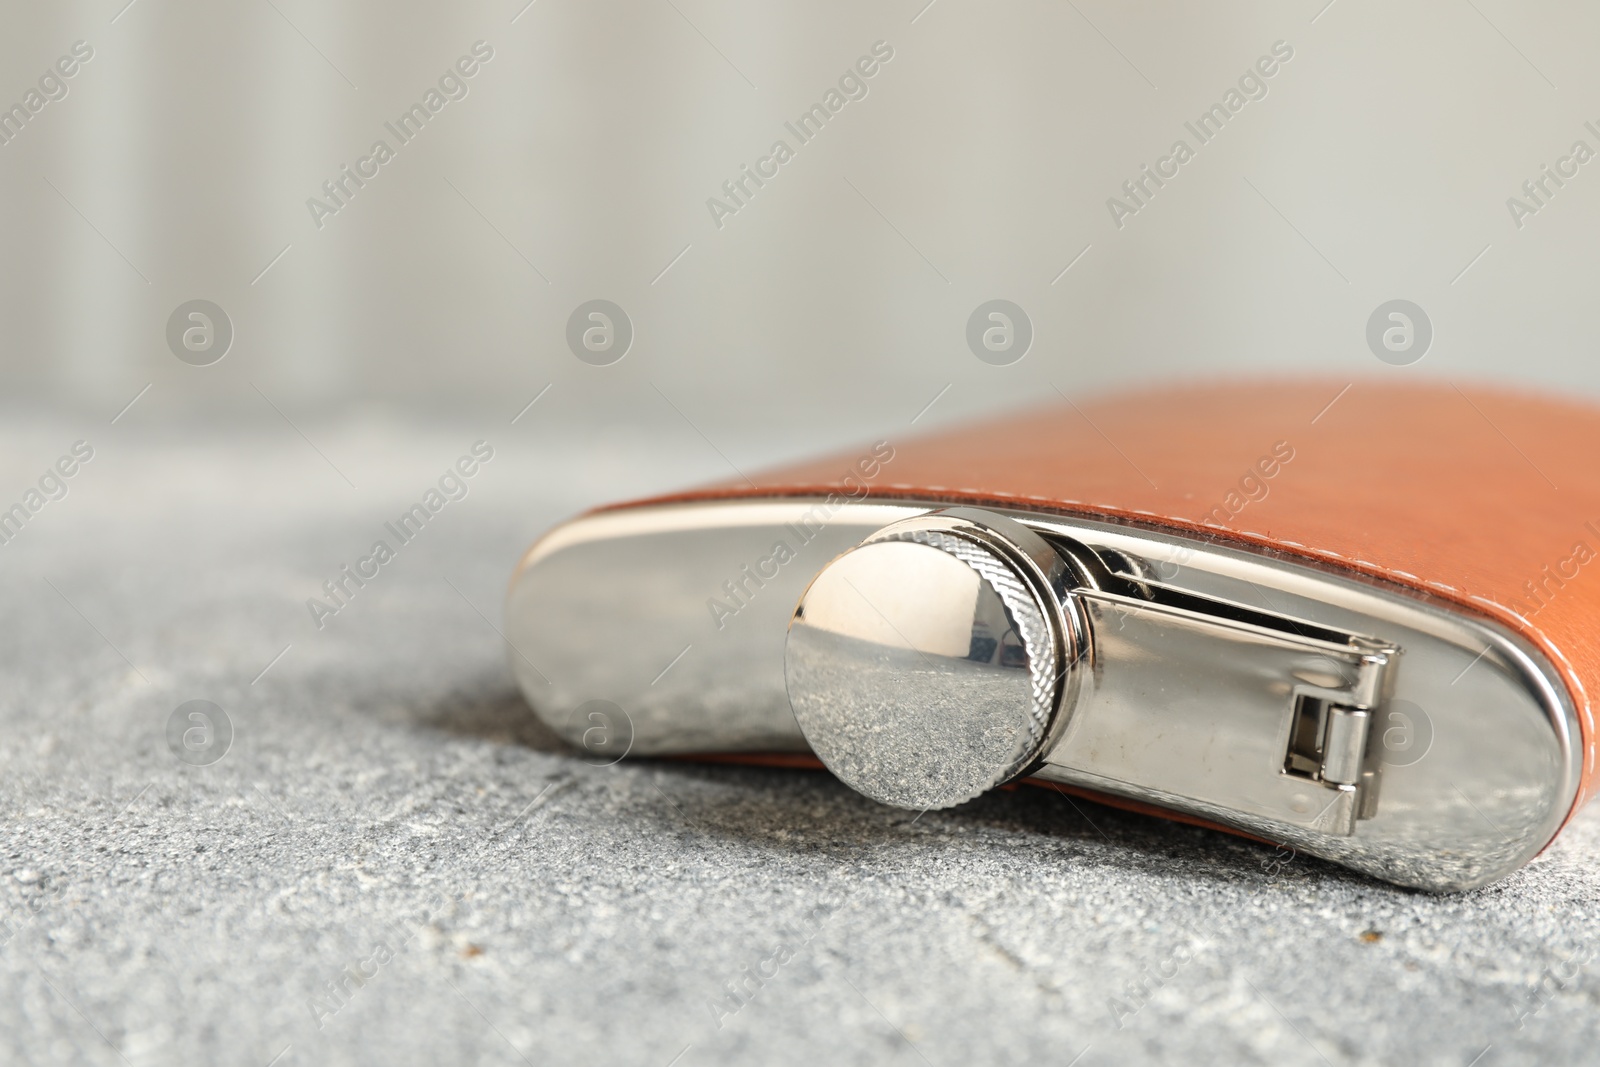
(1355,620)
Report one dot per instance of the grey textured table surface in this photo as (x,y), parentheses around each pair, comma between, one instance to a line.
(389,808)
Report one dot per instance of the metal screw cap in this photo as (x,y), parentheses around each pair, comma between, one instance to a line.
(925,666)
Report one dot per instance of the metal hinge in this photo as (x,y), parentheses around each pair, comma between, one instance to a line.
(1223,709)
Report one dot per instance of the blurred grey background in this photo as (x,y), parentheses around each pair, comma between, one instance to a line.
(385,780)
(978,166)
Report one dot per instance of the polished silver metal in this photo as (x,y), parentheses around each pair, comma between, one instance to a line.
(678,614)
(928,665)
(1345,747)
(925,666)
(1201,699)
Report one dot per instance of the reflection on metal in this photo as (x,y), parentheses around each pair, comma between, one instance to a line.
(927,666)
(1204,707)
(936,654)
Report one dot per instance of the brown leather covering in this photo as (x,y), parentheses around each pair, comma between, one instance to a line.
(1484,498)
